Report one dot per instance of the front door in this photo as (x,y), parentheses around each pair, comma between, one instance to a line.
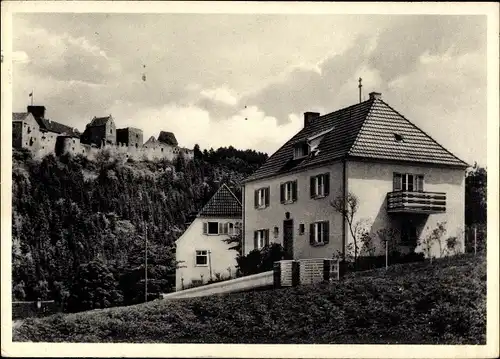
(288,238)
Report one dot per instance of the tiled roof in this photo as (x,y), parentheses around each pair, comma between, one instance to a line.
(168,138)
(99,121)
(363,130)
(377,139)
(223,204)
(48,125)
(52,126)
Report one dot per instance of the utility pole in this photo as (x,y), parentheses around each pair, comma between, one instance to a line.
(146,264)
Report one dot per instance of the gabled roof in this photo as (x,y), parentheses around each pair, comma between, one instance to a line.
(99,121)
(52,126)
(168,138)
(364,130)
(223,204)
(19,116)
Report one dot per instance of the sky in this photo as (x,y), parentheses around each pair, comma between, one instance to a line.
(246,79)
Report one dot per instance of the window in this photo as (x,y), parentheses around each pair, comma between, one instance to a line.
(216,228)
(261,238)
(301,150)
(408,182)
(320,185)
(29,129)
(202,258)
(231,229)
(398,137)
(110,130)
(212,228)
(288,192)
(319,233)
(302,228)
(262,197)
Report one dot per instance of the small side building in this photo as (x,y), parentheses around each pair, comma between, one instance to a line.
(201,252)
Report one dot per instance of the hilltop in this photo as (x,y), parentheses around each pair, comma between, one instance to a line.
(439,303)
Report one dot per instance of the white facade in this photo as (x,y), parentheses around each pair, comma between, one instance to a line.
(202,253)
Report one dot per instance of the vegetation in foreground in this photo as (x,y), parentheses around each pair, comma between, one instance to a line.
(439,303)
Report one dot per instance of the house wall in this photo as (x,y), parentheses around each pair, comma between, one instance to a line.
(304,211)
(193,239)
(371,182)
(129,136)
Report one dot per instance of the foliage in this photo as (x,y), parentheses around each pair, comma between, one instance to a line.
(235,240)
(69,211)
(434,236)
(476,196)
(417,303)
(260,260)
(94,286)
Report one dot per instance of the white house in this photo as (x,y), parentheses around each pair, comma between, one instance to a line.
(404,180)
(201,252)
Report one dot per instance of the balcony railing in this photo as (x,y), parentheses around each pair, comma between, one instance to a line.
(416,202)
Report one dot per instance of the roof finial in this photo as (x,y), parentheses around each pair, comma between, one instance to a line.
(360,86)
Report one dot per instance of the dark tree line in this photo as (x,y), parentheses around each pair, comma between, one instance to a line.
(79,227)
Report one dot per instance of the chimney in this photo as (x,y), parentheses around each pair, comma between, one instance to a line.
(37,111)
(375,95)
(309,117)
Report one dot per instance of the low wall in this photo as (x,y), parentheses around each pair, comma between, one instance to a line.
(21,310)
(234,285)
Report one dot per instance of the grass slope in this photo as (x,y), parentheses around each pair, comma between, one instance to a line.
(439,303)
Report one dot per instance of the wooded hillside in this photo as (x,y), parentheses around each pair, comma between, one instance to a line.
(79,226)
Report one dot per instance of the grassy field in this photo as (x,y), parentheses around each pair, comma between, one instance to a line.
(439,303)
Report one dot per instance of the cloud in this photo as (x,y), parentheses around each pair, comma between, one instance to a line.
(64,57)
(221,94)
(20,57)
(260,67)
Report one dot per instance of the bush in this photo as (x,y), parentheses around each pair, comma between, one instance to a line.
(259,261)
(417,303)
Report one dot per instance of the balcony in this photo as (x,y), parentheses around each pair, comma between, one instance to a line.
(416,202)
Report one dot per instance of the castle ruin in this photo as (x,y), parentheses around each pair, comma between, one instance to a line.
(42,136)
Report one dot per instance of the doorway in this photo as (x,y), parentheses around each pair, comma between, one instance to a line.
(288,238)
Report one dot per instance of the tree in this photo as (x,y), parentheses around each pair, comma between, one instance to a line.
(197,153)
(348,207)
(475,196)
(94,286)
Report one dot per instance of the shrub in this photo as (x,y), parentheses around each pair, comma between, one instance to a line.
(258,261)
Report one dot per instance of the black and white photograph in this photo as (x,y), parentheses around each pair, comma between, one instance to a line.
(223,173)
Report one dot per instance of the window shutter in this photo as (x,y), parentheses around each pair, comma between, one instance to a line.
(221,228)
(327,184)
(256,198)
(326,232)
(226,228)
(267,237)
(420,180)
(205,227)
(311,233)
(397,182)
(294,190)
(282,193)
(312,189)
(267,196)
(255,240)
